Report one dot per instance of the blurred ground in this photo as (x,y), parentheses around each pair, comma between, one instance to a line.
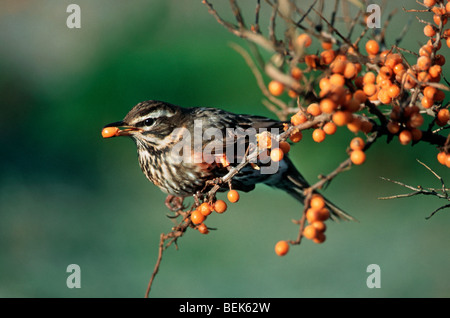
(68,196)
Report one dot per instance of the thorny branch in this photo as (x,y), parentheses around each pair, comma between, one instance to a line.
(287,53)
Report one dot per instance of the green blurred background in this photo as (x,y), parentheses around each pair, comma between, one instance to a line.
(69,197)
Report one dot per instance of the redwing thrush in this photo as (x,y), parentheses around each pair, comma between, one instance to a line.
(158,127)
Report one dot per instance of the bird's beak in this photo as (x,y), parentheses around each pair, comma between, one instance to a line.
(118,128)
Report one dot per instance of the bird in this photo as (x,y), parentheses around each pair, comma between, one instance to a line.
(172,158)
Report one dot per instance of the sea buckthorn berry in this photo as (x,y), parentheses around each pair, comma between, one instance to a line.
(442,157)
(327,45)
(366,126)
(354,125)
(276,88)
(296,73)
(276,154)
(408,79)
(338,66)
(429,31)
(109,132)
(341,57)
(292,93)
(386,72)
(285,146)
(327,56)
(197,217)
(425,50)
(324,85)
(398,68)
(429,3)
(405,137)
(357,143)
(423,77)
(416,120)
(341,118)
(337,80)
(264,140)
(312,215)
(317,202)
(339,94)
(313,109)
(383,96)
(327,105)
(370,89)
(350,70)
(220,206)
(320,226)
(357,157)
(437,18)
(439,59)
(443,115)
(352,105)
(205,208)
(393,91)
(360,96)
(312,61)
(423,63)
(385,83)
(435,70)
(393,127)
(429,92)
(281,248)
(427,102)
(310,232)
(320,238)
(324,214)
(298,119)
(416,134)
(233,196)
(202,228)
(372,47)
(318,135)
(296,137)
(369,78)
(440,95)
(304,40)
(329,128)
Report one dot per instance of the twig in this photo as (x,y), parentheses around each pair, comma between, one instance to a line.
(420,190)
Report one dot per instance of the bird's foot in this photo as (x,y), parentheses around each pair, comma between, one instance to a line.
(174,203)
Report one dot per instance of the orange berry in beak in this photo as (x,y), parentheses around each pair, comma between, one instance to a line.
(109,132)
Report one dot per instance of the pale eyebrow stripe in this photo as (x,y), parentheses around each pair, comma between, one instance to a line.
(156,114)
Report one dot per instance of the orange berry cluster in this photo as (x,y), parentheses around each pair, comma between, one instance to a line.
(344,87)
(265,145)
(406,122)
(357,154)
(316,215)
(199,215)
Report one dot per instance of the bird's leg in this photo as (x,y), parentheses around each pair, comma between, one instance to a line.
(174,203)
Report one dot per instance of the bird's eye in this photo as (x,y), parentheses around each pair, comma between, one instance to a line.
(149,122)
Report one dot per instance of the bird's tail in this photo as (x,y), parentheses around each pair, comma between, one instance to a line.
(294,184)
